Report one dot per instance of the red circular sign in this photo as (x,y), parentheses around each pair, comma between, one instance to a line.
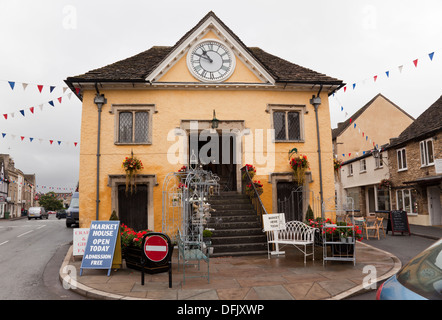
(156,248)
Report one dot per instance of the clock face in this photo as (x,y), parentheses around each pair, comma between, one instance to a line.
(211,61)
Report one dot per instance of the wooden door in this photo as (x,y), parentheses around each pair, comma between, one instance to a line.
(289,198)
(132,207)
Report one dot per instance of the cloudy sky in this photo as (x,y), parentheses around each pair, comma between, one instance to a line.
(42,42)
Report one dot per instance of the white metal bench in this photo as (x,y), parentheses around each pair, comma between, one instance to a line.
(294,233)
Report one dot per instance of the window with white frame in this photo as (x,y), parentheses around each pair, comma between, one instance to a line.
(362,165)
(406,200)
(350,169)
(133,124)
(401,159)
(426,148)
(379,163)
(288,122)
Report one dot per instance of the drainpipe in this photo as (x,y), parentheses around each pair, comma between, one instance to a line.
(99,100)
(316,102)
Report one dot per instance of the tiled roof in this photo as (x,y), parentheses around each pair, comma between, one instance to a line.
(428,122)
(138,67)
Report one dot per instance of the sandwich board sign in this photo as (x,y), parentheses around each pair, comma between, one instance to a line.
(79,240)
(274,222)
(100,245)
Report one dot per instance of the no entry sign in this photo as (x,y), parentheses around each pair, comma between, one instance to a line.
(156,248)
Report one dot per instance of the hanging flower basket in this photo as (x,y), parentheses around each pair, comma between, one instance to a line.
(337,164)
(251,192)
(182,174)
(249,168)
(131,165)
(385,183)
(299,165)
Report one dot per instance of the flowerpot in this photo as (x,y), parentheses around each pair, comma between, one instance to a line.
(349,239)
(344,240)
(134,256)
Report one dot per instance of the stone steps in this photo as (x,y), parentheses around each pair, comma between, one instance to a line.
(238,229)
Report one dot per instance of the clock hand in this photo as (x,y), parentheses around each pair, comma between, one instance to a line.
(205,53)
(204,57)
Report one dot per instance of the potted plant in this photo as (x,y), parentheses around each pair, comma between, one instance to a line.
(385,183)
(207,234)
(309,214)
(207,238)
(299,165)
(182,173)
(337,164)
(250,169)
(131,166)
(250,190)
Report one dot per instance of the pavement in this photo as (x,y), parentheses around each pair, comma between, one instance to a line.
(254,277)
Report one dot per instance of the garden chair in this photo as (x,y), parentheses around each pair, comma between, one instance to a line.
(371,224)
(189,251)
(380,223)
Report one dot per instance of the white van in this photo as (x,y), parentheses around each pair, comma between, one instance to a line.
(37,212)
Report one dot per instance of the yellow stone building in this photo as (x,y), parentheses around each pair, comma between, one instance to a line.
(151,102)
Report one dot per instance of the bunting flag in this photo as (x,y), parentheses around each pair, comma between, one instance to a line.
(38,194)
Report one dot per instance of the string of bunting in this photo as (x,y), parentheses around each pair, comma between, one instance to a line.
(388,73)
(32,109)
(39,87)
(361,131)
(38,186)
(31,139)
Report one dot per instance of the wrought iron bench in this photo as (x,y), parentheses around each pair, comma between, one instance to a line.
(191,251)
(294,233)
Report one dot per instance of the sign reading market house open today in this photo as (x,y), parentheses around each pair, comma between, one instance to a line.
(100,245)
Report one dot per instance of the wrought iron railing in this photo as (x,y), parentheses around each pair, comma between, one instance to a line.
(255,196)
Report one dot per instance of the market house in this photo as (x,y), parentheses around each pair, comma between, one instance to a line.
(146,106)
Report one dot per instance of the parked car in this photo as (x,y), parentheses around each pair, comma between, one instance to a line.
(72,213)
(37,213)
(60,214)
(419,279)
(52,212)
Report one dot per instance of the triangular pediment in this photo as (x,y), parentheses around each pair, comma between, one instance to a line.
(176,68)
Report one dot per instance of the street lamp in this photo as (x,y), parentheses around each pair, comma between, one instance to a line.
(215,121)
(99,100)
(316,102)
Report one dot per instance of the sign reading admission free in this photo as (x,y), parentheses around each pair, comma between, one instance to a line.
(100,245)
